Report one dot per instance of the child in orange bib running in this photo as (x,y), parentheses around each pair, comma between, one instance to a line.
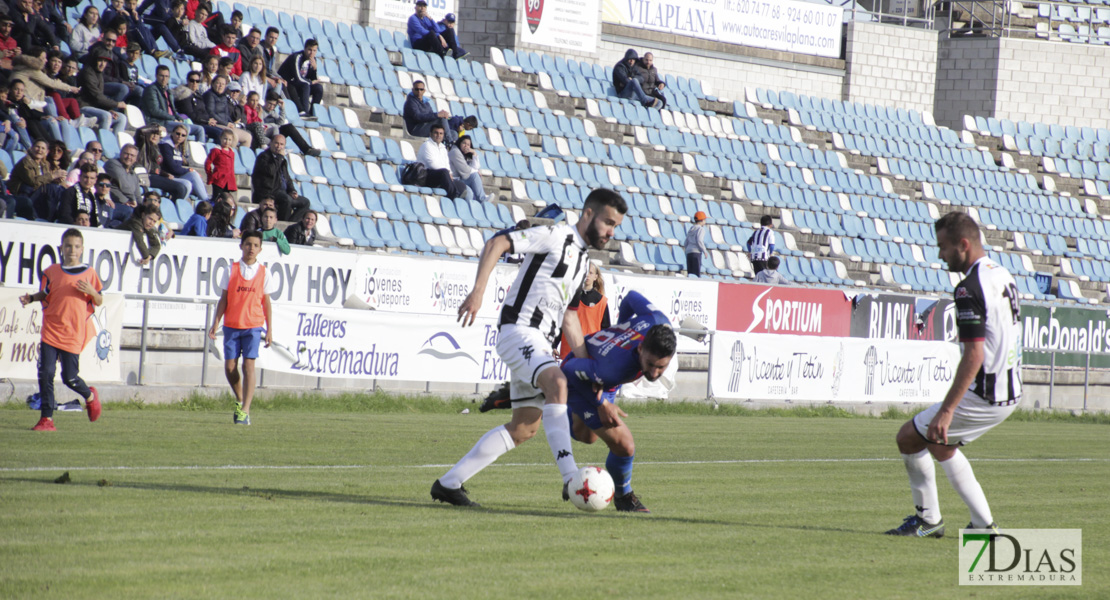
(68,292)
(245,308)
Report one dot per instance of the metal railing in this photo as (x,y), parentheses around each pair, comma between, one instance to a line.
(1009,18)
(894,12)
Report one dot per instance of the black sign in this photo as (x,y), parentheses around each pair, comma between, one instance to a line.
(895,317)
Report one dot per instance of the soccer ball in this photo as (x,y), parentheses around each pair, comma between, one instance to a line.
(591,489)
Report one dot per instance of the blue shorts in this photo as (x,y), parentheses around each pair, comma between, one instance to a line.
(585,406)
(243,342)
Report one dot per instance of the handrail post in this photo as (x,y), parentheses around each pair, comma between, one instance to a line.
(204,345)
(142,340)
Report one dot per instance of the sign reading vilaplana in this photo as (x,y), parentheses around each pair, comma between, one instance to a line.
(568,24)
(748,366)
(787,25)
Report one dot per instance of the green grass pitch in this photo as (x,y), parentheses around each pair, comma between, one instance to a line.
(329,499)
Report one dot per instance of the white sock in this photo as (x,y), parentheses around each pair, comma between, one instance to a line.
(923,485)
(556,427)
(963,479)
(489,448)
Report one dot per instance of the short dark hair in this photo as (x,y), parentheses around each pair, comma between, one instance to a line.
(659,341)
(773,263)
(268,209)
(270,30)
(958,226)
(471,121)
(313,213)
(249,234)
(134,47)
(467,138)
(602,197)
(435,127)
(236,13)
(230,29)
(149,209)
(255,30)
(310,43)
(204,208)
(82,211)
(161,68)
(104,177)
(766,221)
(90,169)
(72,233)
(34,51)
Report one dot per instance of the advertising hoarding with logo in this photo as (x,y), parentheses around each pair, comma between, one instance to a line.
(407,284)
(781,309)
(566,24)
(1073,330)
(401,10)
(803,27)
(900,317)
(21,334)
(785,367)
(367,344)
(678,298)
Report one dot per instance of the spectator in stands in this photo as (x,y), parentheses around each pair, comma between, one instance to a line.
(625,82)
(761,244)
(150,158)
(29,29)
(152,198)
(94,103)
(141,32)
(593,307)
(271,232)
(771,274)
(58,157)
(224,67)
(197,43)
(649,78)
(217,104)
(190,102)
(143,226)
(9,46)
(175,161)
(252,221)
(462,125)
(695,245)
(271,179)
(250,46)
(82,219)
(81,197)
(59,102)
(159,107)
(74,174)
(228,49)
(17,125)
(30,183)
(30,68)
(127,69)
(125,183)
(209,70)
(254,78)
(429,36)
(269,54)
(117,212)
(162,13)
(274,122)
(303,233)
(197,225)
(221,223)
(299,72)
(39,125)
(86,32)
(465,166)
(433,154)
(419,115)
(220,166)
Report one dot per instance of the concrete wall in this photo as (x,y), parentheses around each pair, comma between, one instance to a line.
(1023,80)
(890,65)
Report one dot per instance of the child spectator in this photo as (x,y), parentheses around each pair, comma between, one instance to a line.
(695,245)
(143,226)
(245,301)
(68,292)
(770,274)
(198,223)
(252,221)
(271,232)
(220,165)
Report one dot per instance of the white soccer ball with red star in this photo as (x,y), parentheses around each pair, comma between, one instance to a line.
(591,489)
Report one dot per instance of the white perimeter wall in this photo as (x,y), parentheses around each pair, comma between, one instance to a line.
(890,65)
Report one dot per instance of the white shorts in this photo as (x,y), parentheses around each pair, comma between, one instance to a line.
(972,418)
(527,353)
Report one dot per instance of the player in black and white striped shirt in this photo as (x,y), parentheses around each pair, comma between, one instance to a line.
(761,244)
(985,390)
(556,261)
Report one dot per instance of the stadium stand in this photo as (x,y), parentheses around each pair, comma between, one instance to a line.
(854,187)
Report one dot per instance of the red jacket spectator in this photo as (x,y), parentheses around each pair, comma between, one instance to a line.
(251,114)
(8,47)
(220,167)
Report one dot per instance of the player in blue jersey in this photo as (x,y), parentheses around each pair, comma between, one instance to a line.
(642,343)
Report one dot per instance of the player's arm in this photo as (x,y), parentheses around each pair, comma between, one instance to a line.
(38,296)
(267,310)
(588,370)
(636,305)
(221,307)
(94,295)
(970,363)
(491,253)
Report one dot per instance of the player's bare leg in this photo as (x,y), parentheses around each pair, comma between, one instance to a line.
(554,385)
(248,384)
(231,371)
